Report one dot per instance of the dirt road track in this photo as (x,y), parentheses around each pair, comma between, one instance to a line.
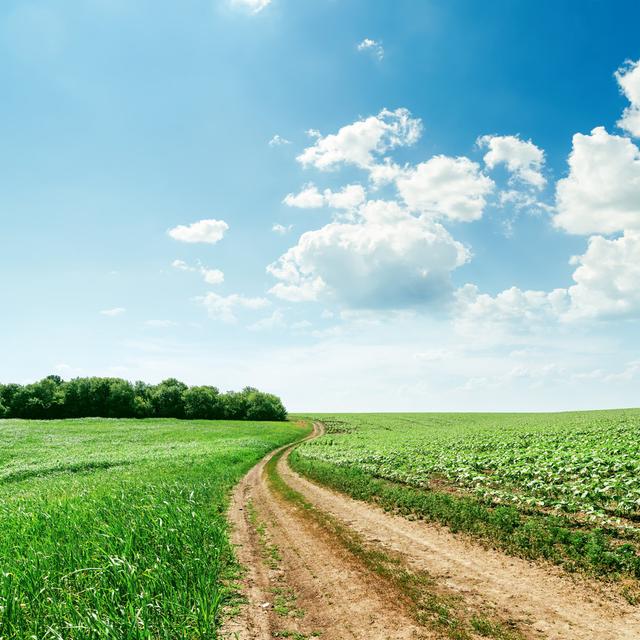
(341,599)
(344,600)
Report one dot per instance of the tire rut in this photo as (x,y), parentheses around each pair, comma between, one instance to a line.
(341,599)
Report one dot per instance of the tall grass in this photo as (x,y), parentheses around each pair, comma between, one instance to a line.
(133,548)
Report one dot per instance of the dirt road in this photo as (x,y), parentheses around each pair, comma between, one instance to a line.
(302,580)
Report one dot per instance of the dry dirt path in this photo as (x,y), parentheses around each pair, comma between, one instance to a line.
(342,599)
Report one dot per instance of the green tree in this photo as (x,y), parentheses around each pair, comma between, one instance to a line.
(121,402)
(264,406)
(203,403)
(166,399)
(43,399)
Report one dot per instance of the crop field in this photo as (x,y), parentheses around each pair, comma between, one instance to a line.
(562,486)
(116,528)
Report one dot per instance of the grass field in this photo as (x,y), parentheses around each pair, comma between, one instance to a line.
(565,487)
(116,529)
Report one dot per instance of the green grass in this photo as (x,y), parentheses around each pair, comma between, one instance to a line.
(116,528)
(565,487)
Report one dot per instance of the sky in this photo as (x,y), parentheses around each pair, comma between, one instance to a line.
(359,205)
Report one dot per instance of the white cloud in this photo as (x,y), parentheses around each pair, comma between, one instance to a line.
(112,313)
(281,229)
(373,46)
(628,77)
(446,187)
(182,265)
(385,172)
(386,258)
(357,143)
(607,278)
(519,309)
(601,194)
(212,276)
(630,372)
(253,6)
(207,231)
(516,201)
(523,159)
(224,308)
(274,321)
(607,285)
(308,198)
(349,197)
(278,141)
(297,289)
(521,200)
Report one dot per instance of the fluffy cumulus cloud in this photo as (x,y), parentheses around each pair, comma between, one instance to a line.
(453,188)
(358,143)
(206,231)
(281,229)
(212,276)
(523,159)
(225,308)
(386,257)
(397,253)
(607,285)
(347,198)
(607,278)
(372,46)
(253,6)
(308,198)
(628,78)
(513,307)
(385,172)
(601,194)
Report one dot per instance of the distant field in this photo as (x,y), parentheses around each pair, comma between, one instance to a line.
(562,486)
(115,528)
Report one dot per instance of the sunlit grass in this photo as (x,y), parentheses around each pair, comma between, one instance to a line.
(116,529)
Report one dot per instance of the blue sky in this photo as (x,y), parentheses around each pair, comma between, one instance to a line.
(483,256)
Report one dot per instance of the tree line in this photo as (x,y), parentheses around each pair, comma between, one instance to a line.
(53,397)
